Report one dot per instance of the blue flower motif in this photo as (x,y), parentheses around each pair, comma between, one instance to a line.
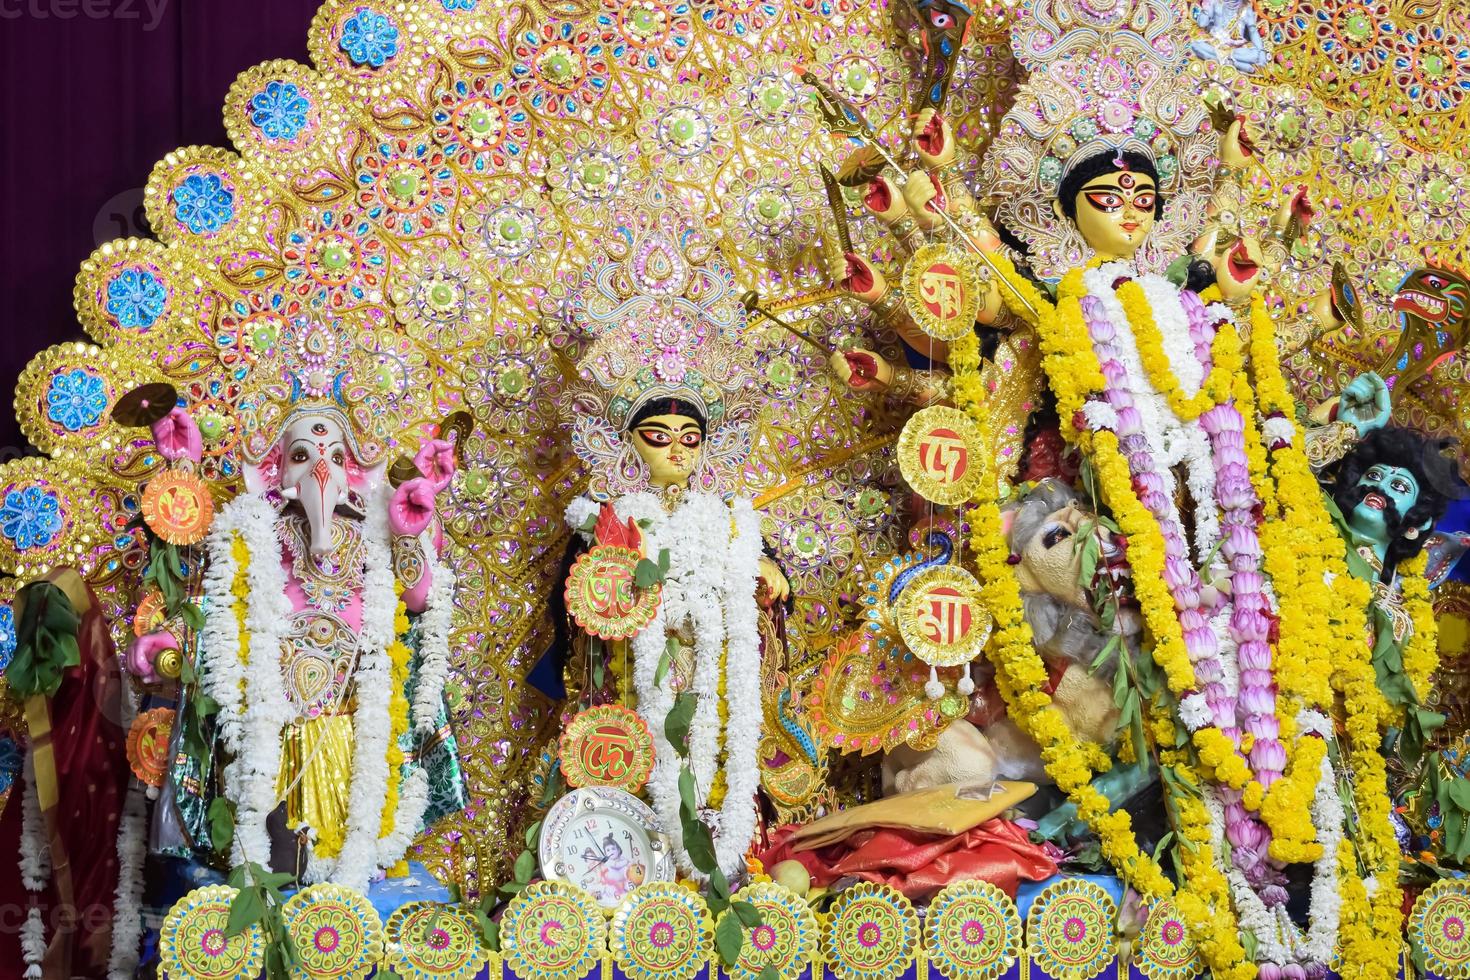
(280,111)
(76,399)
(30,518)
(203,203)
(136,298)
(7,635)
(369,38)
(452,5)
(10,762)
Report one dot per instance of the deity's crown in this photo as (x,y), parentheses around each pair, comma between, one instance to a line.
(317,365)
(656,316)
(1104,76)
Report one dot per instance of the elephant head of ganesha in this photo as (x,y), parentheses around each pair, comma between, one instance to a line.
(316,464)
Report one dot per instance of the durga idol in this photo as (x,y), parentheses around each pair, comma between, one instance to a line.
(661,416)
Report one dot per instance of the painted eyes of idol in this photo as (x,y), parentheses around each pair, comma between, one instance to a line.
(1110,199)
(1397,484)
(660,436)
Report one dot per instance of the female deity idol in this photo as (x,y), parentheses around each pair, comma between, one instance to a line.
(1165,375)
(662,418)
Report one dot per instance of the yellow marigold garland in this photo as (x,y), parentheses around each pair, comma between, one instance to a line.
(1021,675)
(400,658)
(1225,355)
(1421,651)
(1369,936)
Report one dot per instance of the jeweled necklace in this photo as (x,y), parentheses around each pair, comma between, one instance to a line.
(331,580)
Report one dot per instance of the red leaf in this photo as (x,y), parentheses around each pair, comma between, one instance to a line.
(610,530)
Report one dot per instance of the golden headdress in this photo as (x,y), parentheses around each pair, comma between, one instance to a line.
(657,316)
(1104,76)
(322,363)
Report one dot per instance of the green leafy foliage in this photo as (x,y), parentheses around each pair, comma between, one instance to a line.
(259,902)
(649,573)
(46,641)
(679,720)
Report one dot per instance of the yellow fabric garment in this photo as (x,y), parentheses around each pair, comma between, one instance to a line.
(319,797)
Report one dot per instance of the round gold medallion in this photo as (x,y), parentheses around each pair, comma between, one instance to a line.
(941,619)
(936,454)
(178,507)
(941,288)
(603,595)
(608,745)
(148,741)
(151,614)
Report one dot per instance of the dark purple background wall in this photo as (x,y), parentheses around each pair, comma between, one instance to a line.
(92,94)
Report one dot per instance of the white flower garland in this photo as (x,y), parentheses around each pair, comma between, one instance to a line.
(253,704)
(35,868)
(714,552)
(254,708)
(127,906)
(1278,939)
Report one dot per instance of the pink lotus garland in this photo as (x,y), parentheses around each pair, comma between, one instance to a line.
(1251,620)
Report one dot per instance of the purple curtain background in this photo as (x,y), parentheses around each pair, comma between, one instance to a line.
(94,93)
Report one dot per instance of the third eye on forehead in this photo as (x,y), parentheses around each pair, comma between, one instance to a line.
(1113,182)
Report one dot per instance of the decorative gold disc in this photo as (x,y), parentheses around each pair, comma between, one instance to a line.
(941,619)
(941,288)
(151,614)
(608,745)
(147,748)
(178,507)
(936,454)
(603,597)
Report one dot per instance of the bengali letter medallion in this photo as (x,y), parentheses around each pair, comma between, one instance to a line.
(941,288)
(607,745)
(603,596)
(941,618)
(936,455)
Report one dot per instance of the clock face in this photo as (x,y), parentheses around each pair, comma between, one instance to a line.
(605,855)
(599,839)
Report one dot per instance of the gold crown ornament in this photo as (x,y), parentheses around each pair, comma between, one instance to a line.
(656,316)
(323,364)
(1105,76)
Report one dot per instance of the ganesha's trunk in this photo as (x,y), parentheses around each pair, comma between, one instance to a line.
(319,494)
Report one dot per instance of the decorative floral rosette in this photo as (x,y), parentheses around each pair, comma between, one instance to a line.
(872,933)
(281,115)
(135,293)
(552,931)
(427,941)
(192,941)
(1166,951)
(607,745)
(41,517)
(203,196)
(1069,930)
(373,48)
(1439,927)
(64,399)
(336,930)
(785,941)
(972,931)
(661,929)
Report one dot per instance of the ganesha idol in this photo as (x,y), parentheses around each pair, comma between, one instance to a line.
(325,646)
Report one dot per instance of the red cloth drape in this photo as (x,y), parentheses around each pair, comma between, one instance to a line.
(92,781)
(997,851)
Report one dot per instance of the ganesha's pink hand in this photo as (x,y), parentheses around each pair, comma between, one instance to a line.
(177,436)
(436,461)
(142,655)
(412,507)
